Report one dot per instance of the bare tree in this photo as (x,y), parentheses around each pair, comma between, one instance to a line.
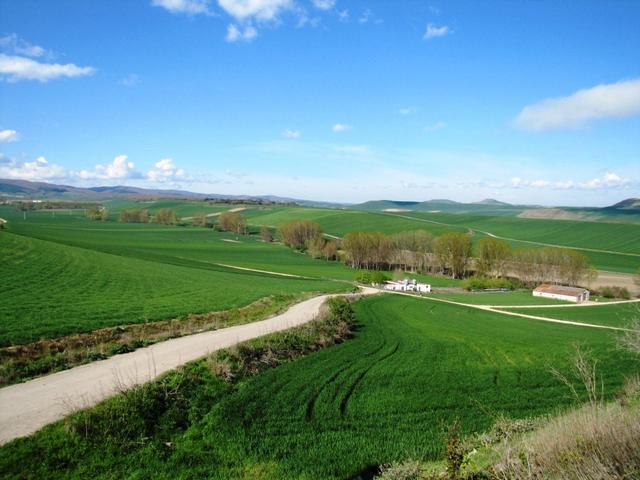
(265,234)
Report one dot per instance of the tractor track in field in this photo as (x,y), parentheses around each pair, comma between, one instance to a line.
(352,388)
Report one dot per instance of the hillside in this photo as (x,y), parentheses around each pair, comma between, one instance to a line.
(25,189)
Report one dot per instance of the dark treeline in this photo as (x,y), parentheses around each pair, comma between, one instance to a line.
(247,201)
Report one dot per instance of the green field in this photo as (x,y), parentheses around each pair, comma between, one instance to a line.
(199,248)
(619,242)
(503,298)
(619,315)
(411,369)
(51,289)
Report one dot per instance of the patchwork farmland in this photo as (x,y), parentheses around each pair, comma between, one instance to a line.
(383,394)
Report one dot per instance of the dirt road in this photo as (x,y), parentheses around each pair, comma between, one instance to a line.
(27,407)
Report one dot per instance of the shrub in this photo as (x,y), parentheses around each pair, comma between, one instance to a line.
(409,470)
(483,283)
(614,292)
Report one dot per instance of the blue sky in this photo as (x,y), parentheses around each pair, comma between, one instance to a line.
(527,102)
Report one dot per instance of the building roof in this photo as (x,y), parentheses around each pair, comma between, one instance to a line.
(561,290)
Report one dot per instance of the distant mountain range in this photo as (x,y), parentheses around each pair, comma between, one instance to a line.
(626,210)
(42,190)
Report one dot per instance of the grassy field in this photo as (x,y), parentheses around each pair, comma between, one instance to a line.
(200,248)
(503,298)
(411,369)
(618,315)
(609,237)
(51,289)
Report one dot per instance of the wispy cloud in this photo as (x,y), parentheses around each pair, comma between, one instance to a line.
(16,45)
(14,68)
(260,10)
(288,133)
(436,126)
(607,180)
(434,31)
(7,136)
(245,34)
(187,7)
(324,4)
(130,80)
(341,127)
(353,149)
(407,110)
(613,100)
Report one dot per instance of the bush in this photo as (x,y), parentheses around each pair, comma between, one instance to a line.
(376,277)
(614,292)
(484,283)
(409,470)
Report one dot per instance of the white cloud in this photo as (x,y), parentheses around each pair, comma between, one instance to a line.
(39,169)
(261,10)
(235,34)
(16,45)
(435,32)
(130,80)
(436,126)
(291,133)
(341,127)
(343,15)
(119,168)
(324,4)
(164,171)
(189,7)
(15,68)
(365,17)
(7,136)
(407,111)
(613,100)
(608,180)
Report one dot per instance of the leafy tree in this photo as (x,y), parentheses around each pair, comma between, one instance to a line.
(134,215)
(265,234)
(493,255)
(201,220)
(233,222)
(166,216)
(453,251)
(330,250)
(298,233)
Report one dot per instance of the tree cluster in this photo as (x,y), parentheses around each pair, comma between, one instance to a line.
(550,264)
(98,213)
(232,222)
(135,215)
(166,216)
(306,235)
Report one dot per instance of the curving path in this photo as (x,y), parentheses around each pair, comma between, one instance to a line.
(29,406)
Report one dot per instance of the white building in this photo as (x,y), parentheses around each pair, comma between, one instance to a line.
(561,292)
(407,285)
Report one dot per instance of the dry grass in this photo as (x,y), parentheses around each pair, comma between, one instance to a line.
(591,443)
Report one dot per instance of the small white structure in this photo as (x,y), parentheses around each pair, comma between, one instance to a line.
(407,285)
(561,292)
